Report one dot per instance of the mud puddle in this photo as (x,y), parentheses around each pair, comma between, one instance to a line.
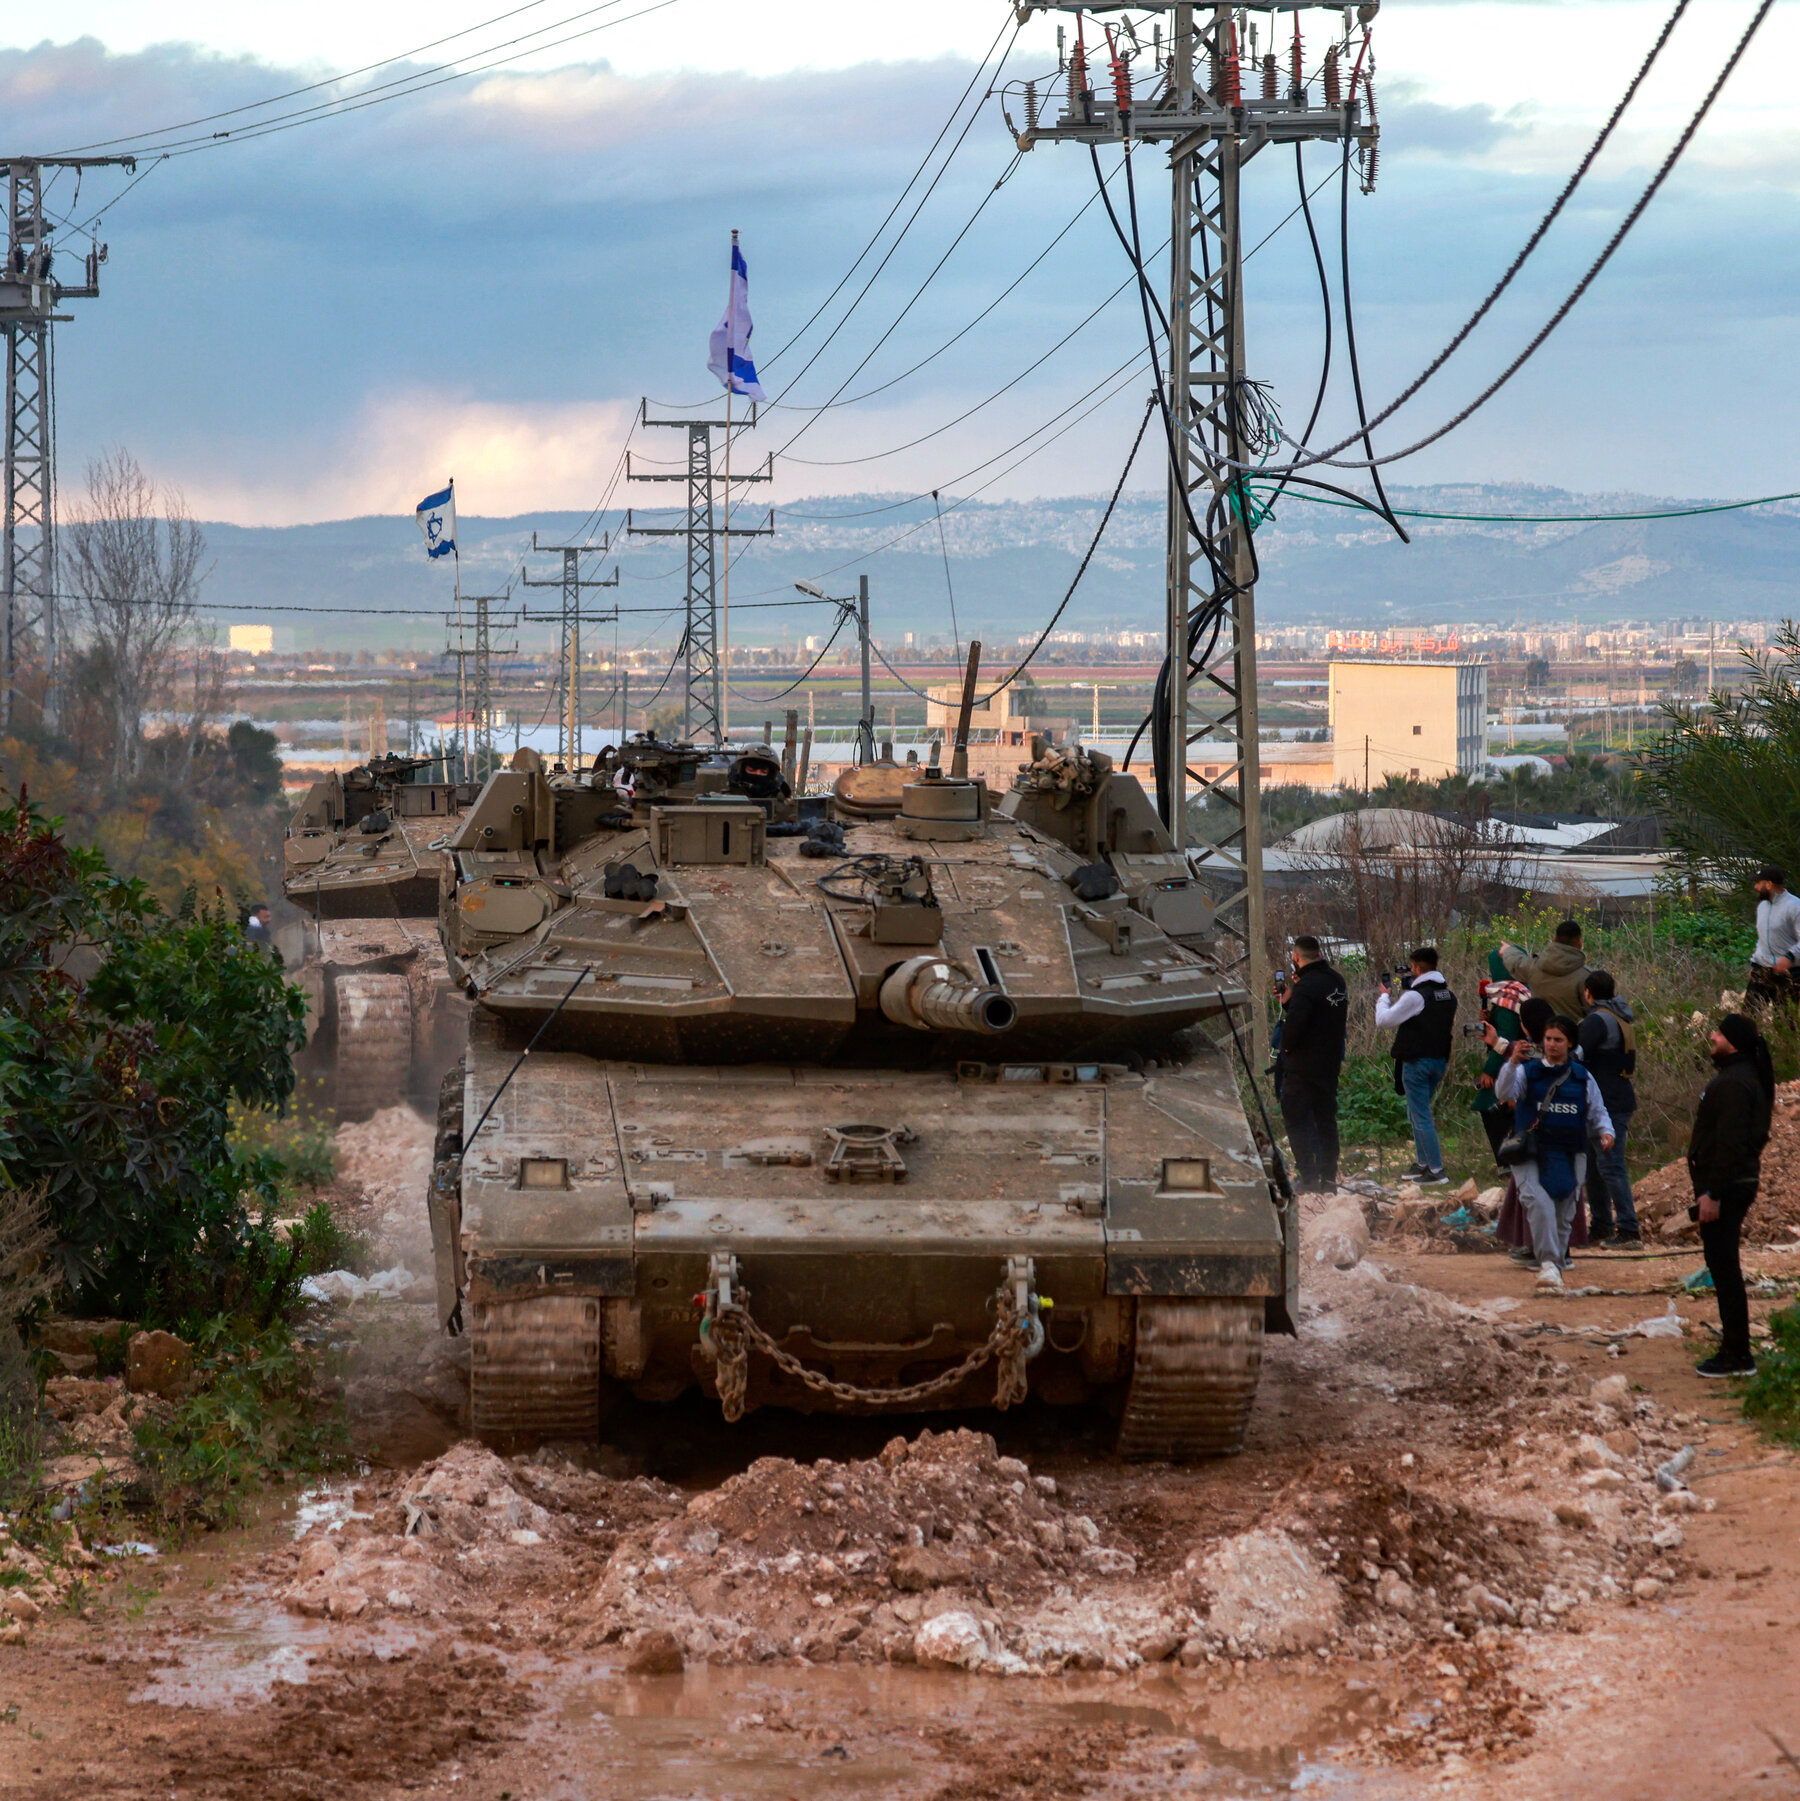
(804,1733)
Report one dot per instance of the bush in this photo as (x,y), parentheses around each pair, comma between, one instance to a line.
(1772,1396)
(301,1142)
(115,1093)
(258,1408)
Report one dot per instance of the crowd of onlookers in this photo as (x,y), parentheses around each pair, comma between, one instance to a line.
(1555,1093)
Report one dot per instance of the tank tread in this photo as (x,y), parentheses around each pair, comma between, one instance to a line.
(535,1369)
(374,1042)
(1193,1378)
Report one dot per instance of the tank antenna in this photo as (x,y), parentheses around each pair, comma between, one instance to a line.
(959,757)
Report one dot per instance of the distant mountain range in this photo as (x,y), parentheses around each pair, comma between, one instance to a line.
(1010,562)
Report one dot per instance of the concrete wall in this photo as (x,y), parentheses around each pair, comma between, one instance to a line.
(1407,719)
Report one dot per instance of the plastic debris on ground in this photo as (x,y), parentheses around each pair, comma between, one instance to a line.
(341,1285)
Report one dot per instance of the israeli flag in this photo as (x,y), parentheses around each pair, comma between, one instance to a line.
(437,520)
(730,358)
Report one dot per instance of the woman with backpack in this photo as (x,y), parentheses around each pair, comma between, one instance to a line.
(1556,1109)
(1731,1126)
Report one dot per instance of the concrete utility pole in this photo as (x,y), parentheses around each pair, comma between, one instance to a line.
(29,296)
(1215,103)
(568,656)
(865,723)
(703,707)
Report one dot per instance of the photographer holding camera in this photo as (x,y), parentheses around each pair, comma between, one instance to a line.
(1315,1008)
(1422,1018)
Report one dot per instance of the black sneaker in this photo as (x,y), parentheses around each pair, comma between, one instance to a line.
(1624,1241)
(1719,1366)
(1413,1172)
(1431,1178)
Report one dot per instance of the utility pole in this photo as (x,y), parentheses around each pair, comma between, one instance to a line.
(30,293)
(1215,103)
(481,709)
(703,709)
(865,724)
(568,656)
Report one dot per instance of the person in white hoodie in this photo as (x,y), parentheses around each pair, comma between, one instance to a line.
(1422,1018)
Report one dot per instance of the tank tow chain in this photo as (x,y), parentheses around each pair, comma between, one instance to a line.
(731,1333)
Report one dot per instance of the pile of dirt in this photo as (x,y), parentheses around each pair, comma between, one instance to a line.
(388,1157)
(465,1525)
(1664,1196)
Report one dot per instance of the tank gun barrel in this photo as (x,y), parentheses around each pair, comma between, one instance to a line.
(931,995)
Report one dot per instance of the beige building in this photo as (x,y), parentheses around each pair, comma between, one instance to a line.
(1407,719)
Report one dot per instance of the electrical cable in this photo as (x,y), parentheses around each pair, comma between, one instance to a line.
(1312,238)
(1618,237)
(311,87)
(400,90)
(1723,506)
(949,587)
(900,200)
(1356,386)
(900,237)
(782,694)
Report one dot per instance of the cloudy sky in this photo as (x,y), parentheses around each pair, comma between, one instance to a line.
(482,278)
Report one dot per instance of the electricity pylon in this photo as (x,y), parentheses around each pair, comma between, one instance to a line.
(1215,102)
(568,658)
(703,700)
(30,293)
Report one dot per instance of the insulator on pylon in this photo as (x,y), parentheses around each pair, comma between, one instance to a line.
(1333,87)
(1297,86)
(1120,74)
(1031,106)
(1270,77)
(1077,75)
(1234,74)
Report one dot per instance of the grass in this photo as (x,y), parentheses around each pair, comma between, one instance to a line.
(1772,1396)
(300,1139)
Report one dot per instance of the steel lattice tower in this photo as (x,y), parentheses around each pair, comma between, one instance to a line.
(30,293)
(568,656)
(703,699)
(1202,107)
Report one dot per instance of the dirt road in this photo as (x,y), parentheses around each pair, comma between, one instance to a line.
(1442,1565)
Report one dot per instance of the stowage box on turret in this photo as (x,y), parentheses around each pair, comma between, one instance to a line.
(907,1099)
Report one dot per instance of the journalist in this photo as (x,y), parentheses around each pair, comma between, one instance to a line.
(1422,1018)
(1315,1007)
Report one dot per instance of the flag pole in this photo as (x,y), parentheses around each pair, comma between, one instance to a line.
(725,604)
(462,661)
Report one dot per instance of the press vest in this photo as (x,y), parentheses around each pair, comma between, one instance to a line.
(1561,1119)
(1428,1033)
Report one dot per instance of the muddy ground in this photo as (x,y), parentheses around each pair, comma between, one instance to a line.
(1442,1565)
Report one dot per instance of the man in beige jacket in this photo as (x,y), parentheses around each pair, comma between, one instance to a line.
(1557,973)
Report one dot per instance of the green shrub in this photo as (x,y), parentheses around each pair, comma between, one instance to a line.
(301,1142)
(1772,1396)
(1714,932)
(1369,1111)
(115,1093)
(321,1242)
(258,1408)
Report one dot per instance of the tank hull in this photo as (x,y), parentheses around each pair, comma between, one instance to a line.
(600,1197)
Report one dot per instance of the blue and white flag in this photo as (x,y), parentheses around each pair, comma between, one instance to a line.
(730,358)
(437,520)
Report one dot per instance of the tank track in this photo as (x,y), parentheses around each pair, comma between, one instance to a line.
(535,1369)
(1193,1379)
(374,1042)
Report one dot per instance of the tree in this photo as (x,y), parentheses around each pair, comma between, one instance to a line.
(1537,672)
(115,1091)
(1727,773)
(132,554)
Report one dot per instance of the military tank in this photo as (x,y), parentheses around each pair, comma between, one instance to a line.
(363,859)
(909,1104)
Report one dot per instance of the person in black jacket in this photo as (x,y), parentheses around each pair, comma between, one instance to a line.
(1422,1019)
(1608,1046)
(1731,1126)
(1315,1007)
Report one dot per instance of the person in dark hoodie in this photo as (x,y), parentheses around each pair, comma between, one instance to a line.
(1731,1126)
(1315,1008)
(1607,1044)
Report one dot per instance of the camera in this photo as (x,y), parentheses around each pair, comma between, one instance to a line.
(1475,1030)
(1402,978)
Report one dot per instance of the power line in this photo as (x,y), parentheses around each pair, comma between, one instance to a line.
(1581,287)
(1723,506)
(312,87)
(899,201)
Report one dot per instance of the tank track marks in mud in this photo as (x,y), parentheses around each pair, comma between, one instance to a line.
(374,1042)
(535,1370)
(1193,1379)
